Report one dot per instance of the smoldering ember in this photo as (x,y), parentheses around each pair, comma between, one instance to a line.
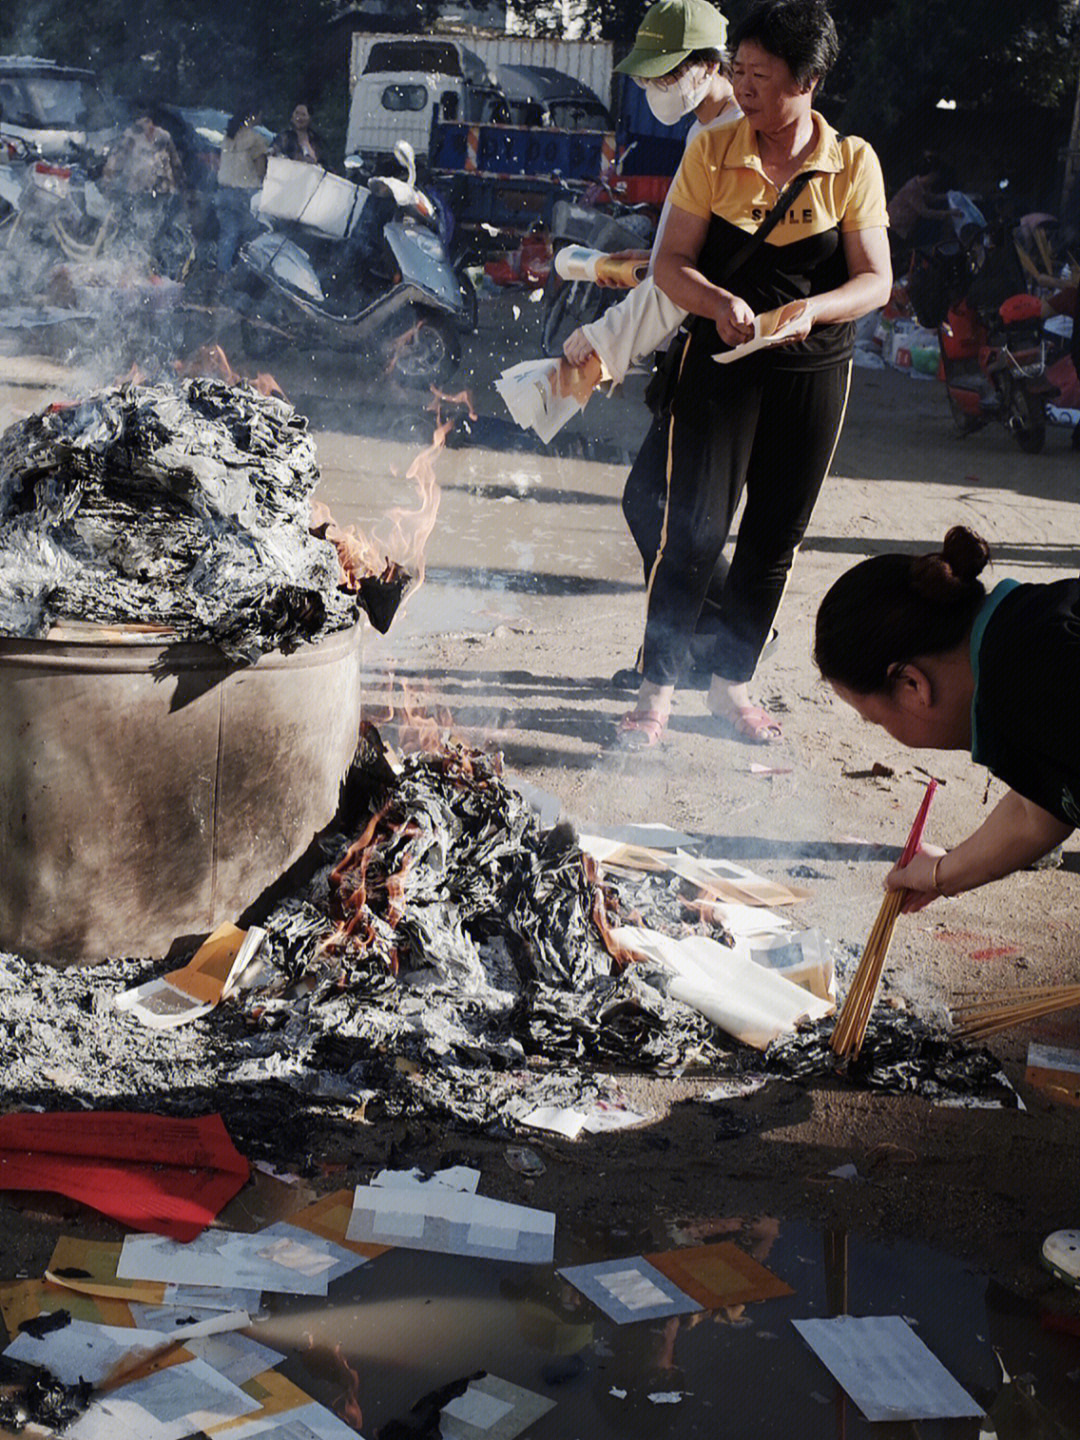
(416,1019)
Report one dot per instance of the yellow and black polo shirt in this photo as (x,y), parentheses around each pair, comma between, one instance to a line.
(721,179)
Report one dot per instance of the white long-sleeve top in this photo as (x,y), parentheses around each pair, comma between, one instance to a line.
(644,320)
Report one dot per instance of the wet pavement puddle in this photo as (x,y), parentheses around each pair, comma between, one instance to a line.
(409,1322)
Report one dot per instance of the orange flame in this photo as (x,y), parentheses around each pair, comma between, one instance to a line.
(212,360)
(348,1405)
(417,726)
(401,344)
(412,528)
(463,398)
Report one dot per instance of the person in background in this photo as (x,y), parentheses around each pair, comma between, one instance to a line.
(241,171)
(767,423)
(145,161)
(919,208)
(916,645)
(680,61)
(299,141)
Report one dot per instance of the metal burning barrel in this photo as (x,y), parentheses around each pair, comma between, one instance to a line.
(150,790)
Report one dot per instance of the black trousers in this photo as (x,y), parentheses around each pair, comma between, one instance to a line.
(643,504)
(771,432)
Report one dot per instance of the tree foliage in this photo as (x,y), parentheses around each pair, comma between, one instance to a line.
(899,56)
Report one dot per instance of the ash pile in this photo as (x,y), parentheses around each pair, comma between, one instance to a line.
(183,506)
(454,956)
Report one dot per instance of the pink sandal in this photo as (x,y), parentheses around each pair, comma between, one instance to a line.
(752,724)
(640,730)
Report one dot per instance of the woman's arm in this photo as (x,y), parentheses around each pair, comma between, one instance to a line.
(1015,833)
(675,272)
(869,282)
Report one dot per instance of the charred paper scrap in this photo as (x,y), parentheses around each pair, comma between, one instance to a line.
(901,1054)
(185,506)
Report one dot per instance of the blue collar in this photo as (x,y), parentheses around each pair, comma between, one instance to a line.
(978,630)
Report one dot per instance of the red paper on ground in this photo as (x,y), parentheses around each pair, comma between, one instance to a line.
(150,1172)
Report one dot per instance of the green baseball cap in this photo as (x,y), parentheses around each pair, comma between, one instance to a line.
(669,32)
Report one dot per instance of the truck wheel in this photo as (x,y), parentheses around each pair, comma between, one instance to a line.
(429,356)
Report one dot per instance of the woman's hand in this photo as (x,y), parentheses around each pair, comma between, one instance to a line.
(734,318)
(802,323)
(577,348)
(917,877)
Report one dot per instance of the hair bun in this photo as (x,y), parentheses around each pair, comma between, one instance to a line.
(947,577)
(966,554)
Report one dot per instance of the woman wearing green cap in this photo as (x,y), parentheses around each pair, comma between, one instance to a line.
(684,82)
(767,423)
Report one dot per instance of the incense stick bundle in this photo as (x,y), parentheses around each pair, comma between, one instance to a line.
(850,1029)
(988,1017)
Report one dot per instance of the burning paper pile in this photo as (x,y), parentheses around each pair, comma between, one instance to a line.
(185,507)
(457,936)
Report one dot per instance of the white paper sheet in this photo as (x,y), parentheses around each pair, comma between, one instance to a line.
(306,1422)
(168,1405)
(163,1006)
(651,836)
(557,1120)
(744,1000)
(529,392)
(630,1290)
(237,1357)
(431,1217)
(596,1120)
(457,1177)
(84,1351)
(281,1258)
(492,1409)
(886,1369)
(773,327)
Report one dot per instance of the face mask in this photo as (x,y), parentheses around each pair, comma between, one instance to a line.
(669,103)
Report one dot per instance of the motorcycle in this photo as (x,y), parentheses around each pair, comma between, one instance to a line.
(600,222)
(360,268)
(993,349)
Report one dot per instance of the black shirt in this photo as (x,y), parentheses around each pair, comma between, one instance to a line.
(1025,655)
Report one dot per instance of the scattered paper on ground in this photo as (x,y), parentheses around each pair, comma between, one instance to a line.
(188,994)
(83,1351)
(719,1275)
(600,1117)
(89,1267)
(329,1218)
(149,1172)
(23,1300)
(743,999)
(457,1177)
(281,1258)
(1055,1071)
(629,1290)
(492,1409)
(886,1369)
(308,1421)
(168,1405)
(431,1217)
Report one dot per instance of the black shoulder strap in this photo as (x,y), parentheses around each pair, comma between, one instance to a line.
(790,193)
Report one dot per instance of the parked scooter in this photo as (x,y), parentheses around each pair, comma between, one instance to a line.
(355,268)
(993,349)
